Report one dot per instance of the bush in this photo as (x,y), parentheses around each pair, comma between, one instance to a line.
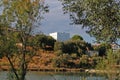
(84,62)
(61,61)
(110,63)
(58,46)
(59,52)
(74,56)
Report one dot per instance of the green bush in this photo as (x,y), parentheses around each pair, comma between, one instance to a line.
(109,64)
(58,46)
(61,61)
(58,52)
(74,56)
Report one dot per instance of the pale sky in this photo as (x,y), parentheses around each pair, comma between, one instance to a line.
(56,21)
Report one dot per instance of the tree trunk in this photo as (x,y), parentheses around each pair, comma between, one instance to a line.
(13,68)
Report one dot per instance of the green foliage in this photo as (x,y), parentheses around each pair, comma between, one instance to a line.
(17,21)
(8,42)
(78,47)
(109,65)
(77,37)
(59,46)
(101,17)
(102,48)
(87,62)
(74,56)
(75,46)
(84,62)
(89,46)
(7,47)
(70,47)
(44,42)
(59,52)
(41,40)
(61,61)
(75,49)
(31,41)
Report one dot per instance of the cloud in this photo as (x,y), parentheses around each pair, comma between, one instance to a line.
(56,21)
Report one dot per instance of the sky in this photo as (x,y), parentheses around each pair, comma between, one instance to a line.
(56,21)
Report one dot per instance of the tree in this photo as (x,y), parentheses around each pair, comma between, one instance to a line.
(41,40)
(58,46)
(9,50)
(50,42)
(77,37)
(21,16)
(110,65)
(100,17)
(78,47)
(62,61)
(102,48)
(44,42)
(84,62)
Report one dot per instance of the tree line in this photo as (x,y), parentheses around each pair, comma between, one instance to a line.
(100,17)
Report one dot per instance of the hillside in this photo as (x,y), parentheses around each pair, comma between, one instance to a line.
(41,60)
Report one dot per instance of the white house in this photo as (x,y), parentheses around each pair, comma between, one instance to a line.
(60,36)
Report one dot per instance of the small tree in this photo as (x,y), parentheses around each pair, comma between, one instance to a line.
(102,49)
(77,37)
(58,46)
(45,42)
(111,65)
(22,15)
(62,61)
(84,62)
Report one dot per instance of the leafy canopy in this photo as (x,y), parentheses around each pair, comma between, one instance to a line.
(101,17)
(77,37)
(19,16)
(23,14)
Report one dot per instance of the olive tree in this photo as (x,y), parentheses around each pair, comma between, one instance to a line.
(19,16)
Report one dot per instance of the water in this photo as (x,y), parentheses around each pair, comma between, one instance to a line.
(57,76)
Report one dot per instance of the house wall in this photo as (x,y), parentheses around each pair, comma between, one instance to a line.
(60,36)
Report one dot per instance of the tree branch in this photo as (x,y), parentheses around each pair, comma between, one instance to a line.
(13,68)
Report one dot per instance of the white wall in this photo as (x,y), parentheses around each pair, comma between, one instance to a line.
(60,36)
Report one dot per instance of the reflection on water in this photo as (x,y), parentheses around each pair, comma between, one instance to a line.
(57,76)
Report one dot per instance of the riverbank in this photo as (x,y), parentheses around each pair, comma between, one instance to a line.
(35,75)
(73,70)
(43,62)
(6,68)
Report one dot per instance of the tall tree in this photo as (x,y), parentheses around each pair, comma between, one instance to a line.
(101,17)
(44,42)
(21,16)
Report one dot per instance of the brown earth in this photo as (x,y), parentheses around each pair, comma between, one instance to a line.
(39,61)
(42,61)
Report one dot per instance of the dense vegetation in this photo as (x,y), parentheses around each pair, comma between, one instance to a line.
(69,54)
(19,46)
(100,17)
(17,20)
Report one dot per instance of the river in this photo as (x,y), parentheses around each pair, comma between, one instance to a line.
(57,76)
